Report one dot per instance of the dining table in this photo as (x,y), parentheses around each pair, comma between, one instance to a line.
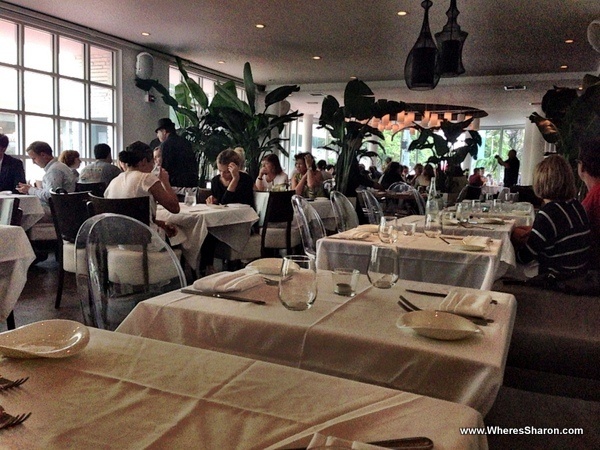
(16,255)
(230,224)
(350,337)
(31,207)
(129,392)
(420,258)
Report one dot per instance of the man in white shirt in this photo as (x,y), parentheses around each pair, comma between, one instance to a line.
(58,175)
(101,170)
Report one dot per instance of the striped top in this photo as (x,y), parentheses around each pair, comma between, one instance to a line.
(559,239)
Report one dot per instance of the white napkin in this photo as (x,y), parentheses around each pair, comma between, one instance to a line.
(239,280)
(355,235)
(320,440)
(482,241)
(464,302)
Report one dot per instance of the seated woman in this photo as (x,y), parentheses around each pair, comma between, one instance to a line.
(308,181)
(424,179)
(392,174)
(71,159)
(559,239)
(231,185)
(138,181)
(588,168)
(271,174)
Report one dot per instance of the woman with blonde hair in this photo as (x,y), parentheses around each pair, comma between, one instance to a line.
(231,185)
(559,239)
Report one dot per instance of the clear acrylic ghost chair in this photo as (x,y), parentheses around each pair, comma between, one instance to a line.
(371,206)
(310,224)
(127,262)
(400,187)
(344,212)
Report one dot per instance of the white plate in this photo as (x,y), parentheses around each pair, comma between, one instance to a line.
(267,266)
(438,325)
(468,247)
(369,228)
(489,220)
(46,339)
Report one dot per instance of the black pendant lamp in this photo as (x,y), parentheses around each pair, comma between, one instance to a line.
(421,71)
(450,42)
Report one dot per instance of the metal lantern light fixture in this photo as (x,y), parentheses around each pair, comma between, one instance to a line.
(421,71)
(450,42)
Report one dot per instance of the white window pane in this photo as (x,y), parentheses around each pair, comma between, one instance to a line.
(72,135)
(174,79)
(8,126)
(102,104)
(39,94)
(72,100)
(8,81)
(38,49)
(208,86)
(8,42)
(101,65)
(70,58)
(38,129)
(103,134)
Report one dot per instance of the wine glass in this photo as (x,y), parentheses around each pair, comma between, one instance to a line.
(433,225)
(383,266)
(298,282)
(388,230)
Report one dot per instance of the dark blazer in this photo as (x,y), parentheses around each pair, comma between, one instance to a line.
(179,160)
(11,173)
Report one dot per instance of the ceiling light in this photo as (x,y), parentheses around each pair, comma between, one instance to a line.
(402,13)
(259,25)
(569,41)
(515,87)
(421,68)
(221,62)
(564,66)
(316,57)
(145,33)
(353,77)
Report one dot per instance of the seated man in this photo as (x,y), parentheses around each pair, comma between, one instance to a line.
(11,169)
(101,170)
(588,167)
(58,175)
(476,179)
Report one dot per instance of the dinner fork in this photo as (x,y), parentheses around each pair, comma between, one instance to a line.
(5,383)
(8,420)
(409,307)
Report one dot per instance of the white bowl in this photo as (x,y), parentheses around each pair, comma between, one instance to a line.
(46,339)
(438,325)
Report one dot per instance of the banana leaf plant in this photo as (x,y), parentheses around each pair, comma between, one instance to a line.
(227,121)
(349,130)
(443,145)
(570,117)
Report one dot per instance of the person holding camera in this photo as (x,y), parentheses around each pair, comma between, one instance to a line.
(511,168)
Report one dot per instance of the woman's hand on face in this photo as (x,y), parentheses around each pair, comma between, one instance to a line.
(234,170)
(163,176)
(308,159)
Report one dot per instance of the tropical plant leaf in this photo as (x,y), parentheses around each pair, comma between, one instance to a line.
(226,97)
(250,87)
(279,94)
(358,100)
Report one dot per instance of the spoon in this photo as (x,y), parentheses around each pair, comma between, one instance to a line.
(46,339)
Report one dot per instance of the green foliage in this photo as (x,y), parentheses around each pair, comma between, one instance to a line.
(349,130)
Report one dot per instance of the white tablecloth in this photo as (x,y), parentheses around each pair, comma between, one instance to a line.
(125,392)
(32,209)
(352,338)
(420,258)
(16,255)
(231,225)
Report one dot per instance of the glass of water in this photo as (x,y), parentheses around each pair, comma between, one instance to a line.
(388,230)
(298,282)
(190,198)
(383,266)
(433,225)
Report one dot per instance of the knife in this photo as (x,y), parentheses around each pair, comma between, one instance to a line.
(411,443)
(432,294)
(223,296)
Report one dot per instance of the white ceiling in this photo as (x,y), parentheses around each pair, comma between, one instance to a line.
(510,42)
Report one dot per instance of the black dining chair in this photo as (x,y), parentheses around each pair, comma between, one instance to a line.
(96,189)
(135,207)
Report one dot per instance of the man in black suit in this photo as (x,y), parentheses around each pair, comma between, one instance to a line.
(178,158)
(11,169)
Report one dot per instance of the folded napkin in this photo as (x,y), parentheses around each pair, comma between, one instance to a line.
(482,241)
(320,441)
(355,234)
(239,280)
(468,303)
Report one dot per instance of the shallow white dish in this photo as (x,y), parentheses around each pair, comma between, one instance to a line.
(468,247)
(489,220)
(46,339)
(438,325)
(267,266)
(369,228)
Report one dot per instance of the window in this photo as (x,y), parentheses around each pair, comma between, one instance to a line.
(56,89)
(499,141)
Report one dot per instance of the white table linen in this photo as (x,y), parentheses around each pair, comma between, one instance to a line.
(420,258)
(231,224)
(16,255)
(127,392)
(353,338)
(32,209)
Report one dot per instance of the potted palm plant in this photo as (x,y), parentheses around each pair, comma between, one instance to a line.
(349,129)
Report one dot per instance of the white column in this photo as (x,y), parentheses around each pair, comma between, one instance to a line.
(308,133)
(534,147)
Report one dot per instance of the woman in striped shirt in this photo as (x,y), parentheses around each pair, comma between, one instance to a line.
(559,239)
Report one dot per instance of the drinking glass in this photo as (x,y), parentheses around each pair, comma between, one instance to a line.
(298,282)
(463,211)
(433,225)
(383,266)
(190,199)
(345,281)
(388,230)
